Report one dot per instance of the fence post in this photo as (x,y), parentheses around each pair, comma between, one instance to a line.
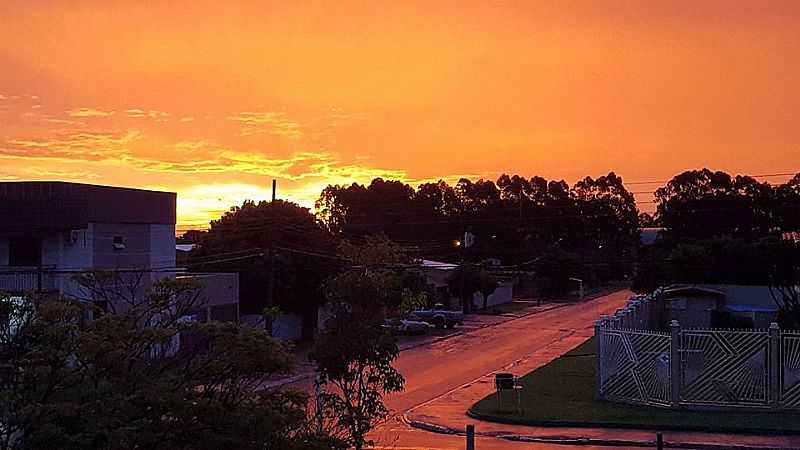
(598,356)
(470,437)
(774,369)
(675,363)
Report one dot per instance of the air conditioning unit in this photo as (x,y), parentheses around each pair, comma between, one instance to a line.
(72,236)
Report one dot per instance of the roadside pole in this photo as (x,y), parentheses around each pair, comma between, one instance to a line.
(470,437)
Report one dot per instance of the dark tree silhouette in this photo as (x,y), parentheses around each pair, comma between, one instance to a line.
(702,204)
(514,219)
(242,239)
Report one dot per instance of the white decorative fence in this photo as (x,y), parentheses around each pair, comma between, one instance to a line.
(695,368)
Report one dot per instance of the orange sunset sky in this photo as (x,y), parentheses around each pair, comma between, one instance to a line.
(213,99)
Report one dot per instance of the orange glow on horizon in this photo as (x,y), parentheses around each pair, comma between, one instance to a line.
(214,99)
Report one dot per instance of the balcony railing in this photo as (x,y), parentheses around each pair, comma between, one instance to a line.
(18,280)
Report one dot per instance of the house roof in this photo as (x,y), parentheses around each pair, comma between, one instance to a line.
(36,206)
(428,264)
(750,308)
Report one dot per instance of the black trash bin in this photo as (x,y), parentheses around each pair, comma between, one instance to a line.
(504,381)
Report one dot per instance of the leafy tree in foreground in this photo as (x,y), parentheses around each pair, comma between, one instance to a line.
(121,382)
(354,354)
(405,286)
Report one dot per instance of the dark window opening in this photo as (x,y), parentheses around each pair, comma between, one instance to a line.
(24,251)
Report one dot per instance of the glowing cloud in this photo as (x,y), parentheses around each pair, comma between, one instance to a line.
(89,112)
(136,113)
(267,122)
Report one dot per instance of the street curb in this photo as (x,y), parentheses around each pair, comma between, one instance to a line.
(569,424)
(582,440)
(432,427)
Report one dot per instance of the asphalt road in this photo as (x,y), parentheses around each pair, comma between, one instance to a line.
(432,371)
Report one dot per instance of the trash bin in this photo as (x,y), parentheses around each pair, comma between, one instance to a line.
(504,381)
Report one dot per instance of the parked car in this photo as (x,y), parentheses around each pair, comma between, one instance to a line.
(440,317)
(406,326)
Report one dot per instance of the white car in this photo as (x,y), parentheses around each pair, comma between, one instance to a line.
(406,326)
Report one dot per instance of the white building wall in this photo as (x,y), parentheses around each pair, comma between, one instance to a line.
(136,253)
(215,288)
(162,246)
(51,250)
(502,294)
(76,253)
(162,253)
(61,252)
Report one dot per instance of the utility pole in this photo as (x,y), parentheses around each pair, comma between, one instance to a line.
(271,262)
(467,241)
(39,269)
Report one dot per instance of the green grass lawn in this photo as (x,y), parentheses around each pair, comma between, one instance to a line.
(562,394)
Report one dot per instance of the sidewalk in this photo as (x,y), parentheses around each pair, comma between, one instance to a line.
(447,414)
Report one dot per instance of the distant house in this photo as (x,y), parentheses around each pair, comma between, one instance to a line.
(438,273)
(649,236)
(720,306)
(692,306)
(218,297)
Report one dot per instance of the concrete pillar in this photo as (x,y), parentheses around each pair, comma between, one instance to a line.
(774,369)
(675,363)
(599,343)
(636,309)
(616,319)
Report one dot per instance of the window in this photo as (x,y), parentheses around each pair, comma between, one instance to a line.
(119,243)
(24,251)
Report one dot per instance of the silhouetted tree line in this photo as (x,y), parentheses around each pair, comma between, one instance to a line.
(589,230)
(514,219)
(719,228)
(703,204)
